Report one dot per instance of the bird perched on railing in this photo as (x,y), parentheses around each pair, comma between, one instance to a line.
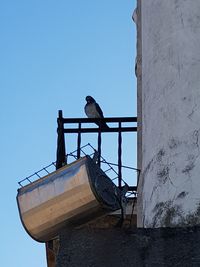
(93,110)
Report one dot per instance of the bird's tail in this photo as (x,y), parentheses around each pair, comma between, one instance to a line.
(103,125)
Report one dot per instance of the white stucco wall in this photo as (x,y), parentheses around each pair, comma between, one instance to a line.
(169,94)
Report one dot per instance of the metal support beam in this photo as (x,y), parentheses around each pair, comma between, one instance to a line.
(61,159)
(79,141)
(99,146)
(52,245)
(119,156)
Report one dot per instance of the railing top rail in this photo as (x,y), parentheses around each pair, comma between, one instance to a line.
(90,120)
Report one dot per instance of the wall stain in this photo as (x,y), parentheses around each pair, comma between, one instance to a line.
(193,218)
(174,143)
(158,157)
(168,214)
(192,112)
(188,168)
(196,137)
(182,194)
(160,154)
(163,174)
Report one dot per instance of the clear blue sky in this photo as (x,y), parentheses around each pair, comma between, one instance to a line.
(53,54)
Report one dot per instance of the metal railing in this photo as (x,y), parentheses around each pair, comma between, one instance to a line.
(79,130)
(63,157)
(38,174)
(87,150)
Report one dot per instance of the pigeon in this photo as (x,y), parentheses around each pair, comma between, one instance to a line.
(93,110)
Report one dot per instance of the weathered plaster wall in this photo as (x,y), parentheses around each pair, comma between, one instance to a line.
(169,189)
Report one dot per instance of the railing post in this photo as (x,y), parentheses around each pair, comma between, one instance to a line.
(99,146)
(79,141)
(52,245)
(120,157)
(61,154)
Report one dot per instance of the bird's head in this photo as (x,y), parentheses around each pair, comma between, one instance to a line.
(90,99)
